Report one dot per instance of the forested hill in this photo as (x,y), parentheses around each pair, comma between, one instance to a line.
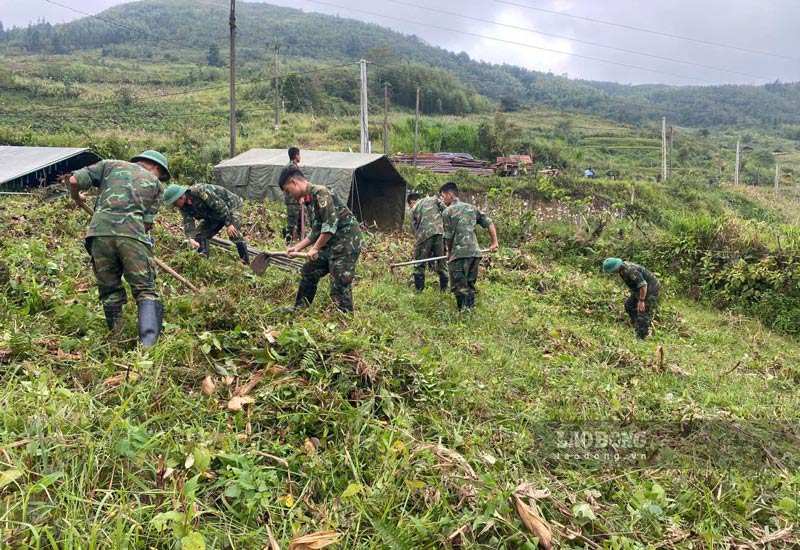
(185,30)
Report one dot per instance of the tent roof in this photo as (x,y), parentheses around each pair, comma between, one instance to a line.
(279,157)
(17,162)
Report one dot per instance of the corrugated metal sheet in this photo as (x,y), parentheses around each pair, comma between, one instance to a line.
(28,166)
(445,165)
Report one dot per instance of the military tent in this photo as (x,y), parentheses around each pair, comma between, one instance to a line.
(369,184)
(33,166)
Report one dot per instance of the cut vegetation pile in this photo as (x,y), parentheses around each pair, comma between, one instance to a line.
(538,417)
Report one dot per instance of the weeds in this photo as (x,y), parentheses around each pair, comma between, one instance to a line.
(406,425)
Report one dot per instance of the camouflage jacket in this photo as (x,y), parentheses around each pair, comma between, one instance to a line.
(636,276)
(209,202)
(129,197)
(426,218)
(459,221)
(331,215)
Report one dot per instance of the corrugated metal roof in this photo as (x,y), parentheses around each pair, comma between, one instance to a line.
(280,157)
(18,162)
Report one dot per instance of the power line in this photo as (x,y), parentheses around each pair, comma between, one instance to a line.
(512,42)
(588,42)
(649,31)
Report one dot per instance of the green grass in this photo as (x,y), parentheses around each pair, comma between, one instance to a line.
(394,394)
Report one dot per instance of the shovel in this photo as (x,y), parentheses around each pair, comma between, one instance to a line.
(262,260)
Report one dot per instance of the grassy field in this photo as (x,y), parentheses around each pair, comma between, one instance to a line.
(406,425)
(120,106)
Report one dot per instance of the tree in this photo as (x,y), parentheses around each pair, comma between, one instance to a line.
(213,58)
(509,103)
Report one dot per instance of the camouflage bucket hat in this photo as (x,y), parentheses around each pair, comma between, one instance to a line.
(173,193)
(158,158)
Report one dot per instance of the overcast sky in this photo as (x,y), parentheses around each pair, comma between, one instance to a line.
(733,41)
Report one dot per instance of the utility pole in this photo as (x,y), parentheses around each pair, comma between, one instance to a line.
(416,131)
(277,86)
(777,177)
(736,173)
(385,118)
(232,23)
(663,148)
(364,108)
(670,152)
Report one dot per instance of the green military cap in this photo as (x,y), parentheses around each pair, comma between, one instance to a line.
(173,193)
(610,265)
(158,158)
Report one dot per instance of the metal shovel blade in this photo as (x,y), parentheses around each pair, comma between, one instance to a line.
(260,263)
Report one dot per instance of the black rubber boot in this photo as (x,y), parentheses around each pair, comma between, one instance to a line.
(114,320)
(203,249)
(419,283)
(460,301)
(305,296)
(443,283)
(469,301)
(151,315)
(241,248)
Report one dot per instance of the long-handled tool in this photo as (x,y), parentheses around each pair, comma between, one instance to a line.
(280,262)
(426,260)
(263,260)
(159,263)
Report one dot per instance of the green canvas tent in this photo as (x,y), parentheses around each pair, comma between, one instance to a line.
(369,184)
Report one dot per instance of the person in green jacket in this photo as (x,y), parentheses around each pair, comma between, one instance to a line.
(645,288)
(117,240)
(426,225)
(335,241)
(216,207)
(459,220)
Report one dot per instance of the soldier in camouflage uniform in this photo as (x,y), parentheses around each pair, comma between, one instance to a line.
(335,241)
(216,207)
(645,288)
(459,220)
(128,201)
(426,225)
(293,207)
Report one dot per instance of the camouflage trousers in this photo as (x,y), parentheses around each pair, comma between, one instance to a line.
(430,248)
(641,320)
(115,257)
(292,229)
(342,268)
(463,275)
(209,228)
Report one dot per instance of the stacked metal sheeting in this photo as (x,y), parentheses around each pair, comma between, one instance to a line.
(445,165)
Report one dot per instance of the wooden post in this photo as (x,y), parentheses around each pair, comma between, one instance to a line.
(232,23)
(416,131)
(277,87)
(663,148)
(385,118)
(736,173)
(669,171)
